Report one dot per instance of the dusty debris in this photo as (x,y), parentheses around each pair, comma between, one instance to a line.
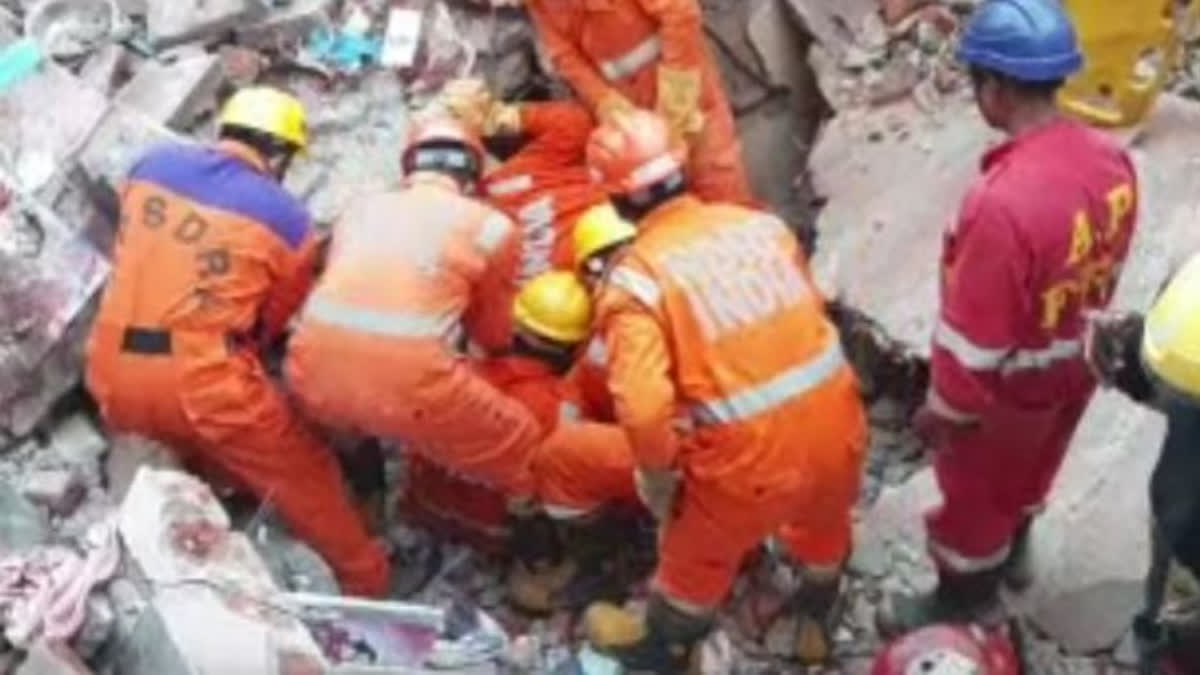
(174,91)
(49,657)
(179,21)
(70,28)
(59,489)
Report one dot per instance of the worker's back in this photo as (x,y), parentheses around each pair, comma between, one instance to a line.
(748,337)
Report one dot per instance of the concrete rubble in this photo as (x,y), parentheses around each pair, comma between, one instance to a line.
(846,109)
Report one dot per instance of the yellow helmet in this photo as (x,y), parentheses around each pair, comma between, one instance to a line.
(554,305)
(599,228)
(1171,343)
(269,111)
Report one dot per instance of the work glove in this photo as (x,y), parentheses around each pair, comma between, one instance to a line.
(657,490)
(612,105)
(679,101)
(936,426)
(1106,343)
(468,100)
(502,119)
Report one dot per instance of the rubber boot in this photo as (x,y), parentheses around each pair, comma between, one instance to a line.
(958,598)
(1018,567)
(663,642)
(817,606)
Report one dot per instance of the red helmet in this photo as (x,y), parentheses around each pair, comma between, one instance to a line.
(440,131)
(633,150)
(949,650)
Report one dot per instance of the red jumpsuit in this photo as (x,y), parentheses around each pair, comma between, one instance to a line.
(212,258)
(546,187)
(605,46)
(1040,239)
(579,467)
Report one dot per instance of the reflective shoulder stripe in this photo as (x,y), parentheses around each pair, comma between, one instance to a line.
(638,285)
(375,322)
(510,186)
(967,353)
(1041,359)
(781,389)
(597,352)
(569,412)
(644,54)
(492,231)
(965,564)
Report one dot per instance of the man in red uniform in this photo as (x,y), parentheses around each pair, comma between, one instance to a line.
(543,185)
(213,257)
(1040,239)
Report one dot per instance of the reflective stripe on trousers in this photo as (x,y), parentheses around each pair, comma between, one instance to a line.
(633,60)
(781,389)
(964,564)
(375,322)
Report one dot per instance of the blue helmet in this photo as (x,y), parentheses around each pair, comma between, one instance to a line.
(1027,40)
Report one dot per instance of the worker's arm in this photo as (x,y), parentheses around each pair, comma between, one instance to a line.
(558,132)
(639,367)
(681,29)
(488,319)
(294,275)
(984,297)
(571,63)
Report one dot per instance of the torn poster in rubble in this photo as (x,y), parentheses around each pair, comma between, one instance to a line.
(47,276)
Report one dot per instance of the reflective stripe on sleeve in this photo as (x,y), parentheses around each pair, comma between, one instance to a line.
(597,352)
(633,60)
(375,322)
(781,389)
(965,564)
(636,284)
(510,186)
(1007,359)
(492,231)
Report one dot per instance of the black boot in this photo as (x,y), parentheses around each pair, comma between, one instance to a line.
(661,643)
(541,568)
(1018,567)
(958,598)
(817,606)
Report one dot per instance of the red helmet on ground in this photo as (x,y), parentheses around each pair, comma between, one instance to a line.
(632,151)
(441,131)
(949,650)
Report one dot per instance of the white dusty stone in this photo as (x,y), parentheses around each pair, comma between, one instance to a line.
(22,525)
(179,21)
(60,489)
(97,627)
(286,25)
(129,454)
(173,93)
(78,443)
(52,658)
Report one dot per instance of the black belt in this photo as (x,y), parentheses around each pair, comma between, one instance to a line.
(147,341)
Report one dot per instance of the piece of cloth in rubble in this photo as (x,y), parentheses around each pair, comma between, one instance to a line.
(212,258)
(779,428)
(579,466)
(375,350)
(1041,238)
(44,591)
(546,186)
(604,46)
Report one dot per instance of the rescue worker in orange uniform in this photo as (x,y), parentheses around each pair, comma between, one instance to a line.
(652,54)
(710,310)
(1040,240)
(412,273)
(542,181)
(212,258)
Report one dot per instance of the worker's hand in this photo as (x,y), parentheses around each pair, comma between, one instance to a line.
(1105,342)
(612,105)
(679,101)
(936,424)
(503,119)
(467,99)
(657,490)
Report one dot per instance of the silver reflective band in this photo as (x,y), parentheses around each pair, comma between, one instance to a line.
(597,352)
(655,170)
(569,412)
(1006,360)
(782,388)
(510,186)
(636,284)
(374,322)
(968,564)
(493,230)
(633,60)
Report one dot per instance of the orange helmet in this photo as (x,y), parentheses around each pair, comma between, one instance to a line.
(632,151)
(442,131)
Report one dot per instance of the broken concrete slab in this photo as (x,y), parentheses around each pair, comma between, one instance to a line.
(52,657)
(172,93)
(23,526)
(893,177)
(60,489)
(179,21)
(1091,619)
(285,26)
(842,24)
(129,453)
(121,137)
(102,69)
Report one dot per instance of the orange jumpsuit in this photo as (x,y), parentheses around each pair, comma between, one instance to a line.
(545,187)
(579,467)
(376,350)
(212,258)
(711,311)
(600,46)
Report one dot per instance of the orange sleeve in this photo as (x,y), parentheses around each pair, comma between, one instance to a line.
(294,280)
(681,28)
(570,62)
(488,319)
(558,131)
(639,366)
